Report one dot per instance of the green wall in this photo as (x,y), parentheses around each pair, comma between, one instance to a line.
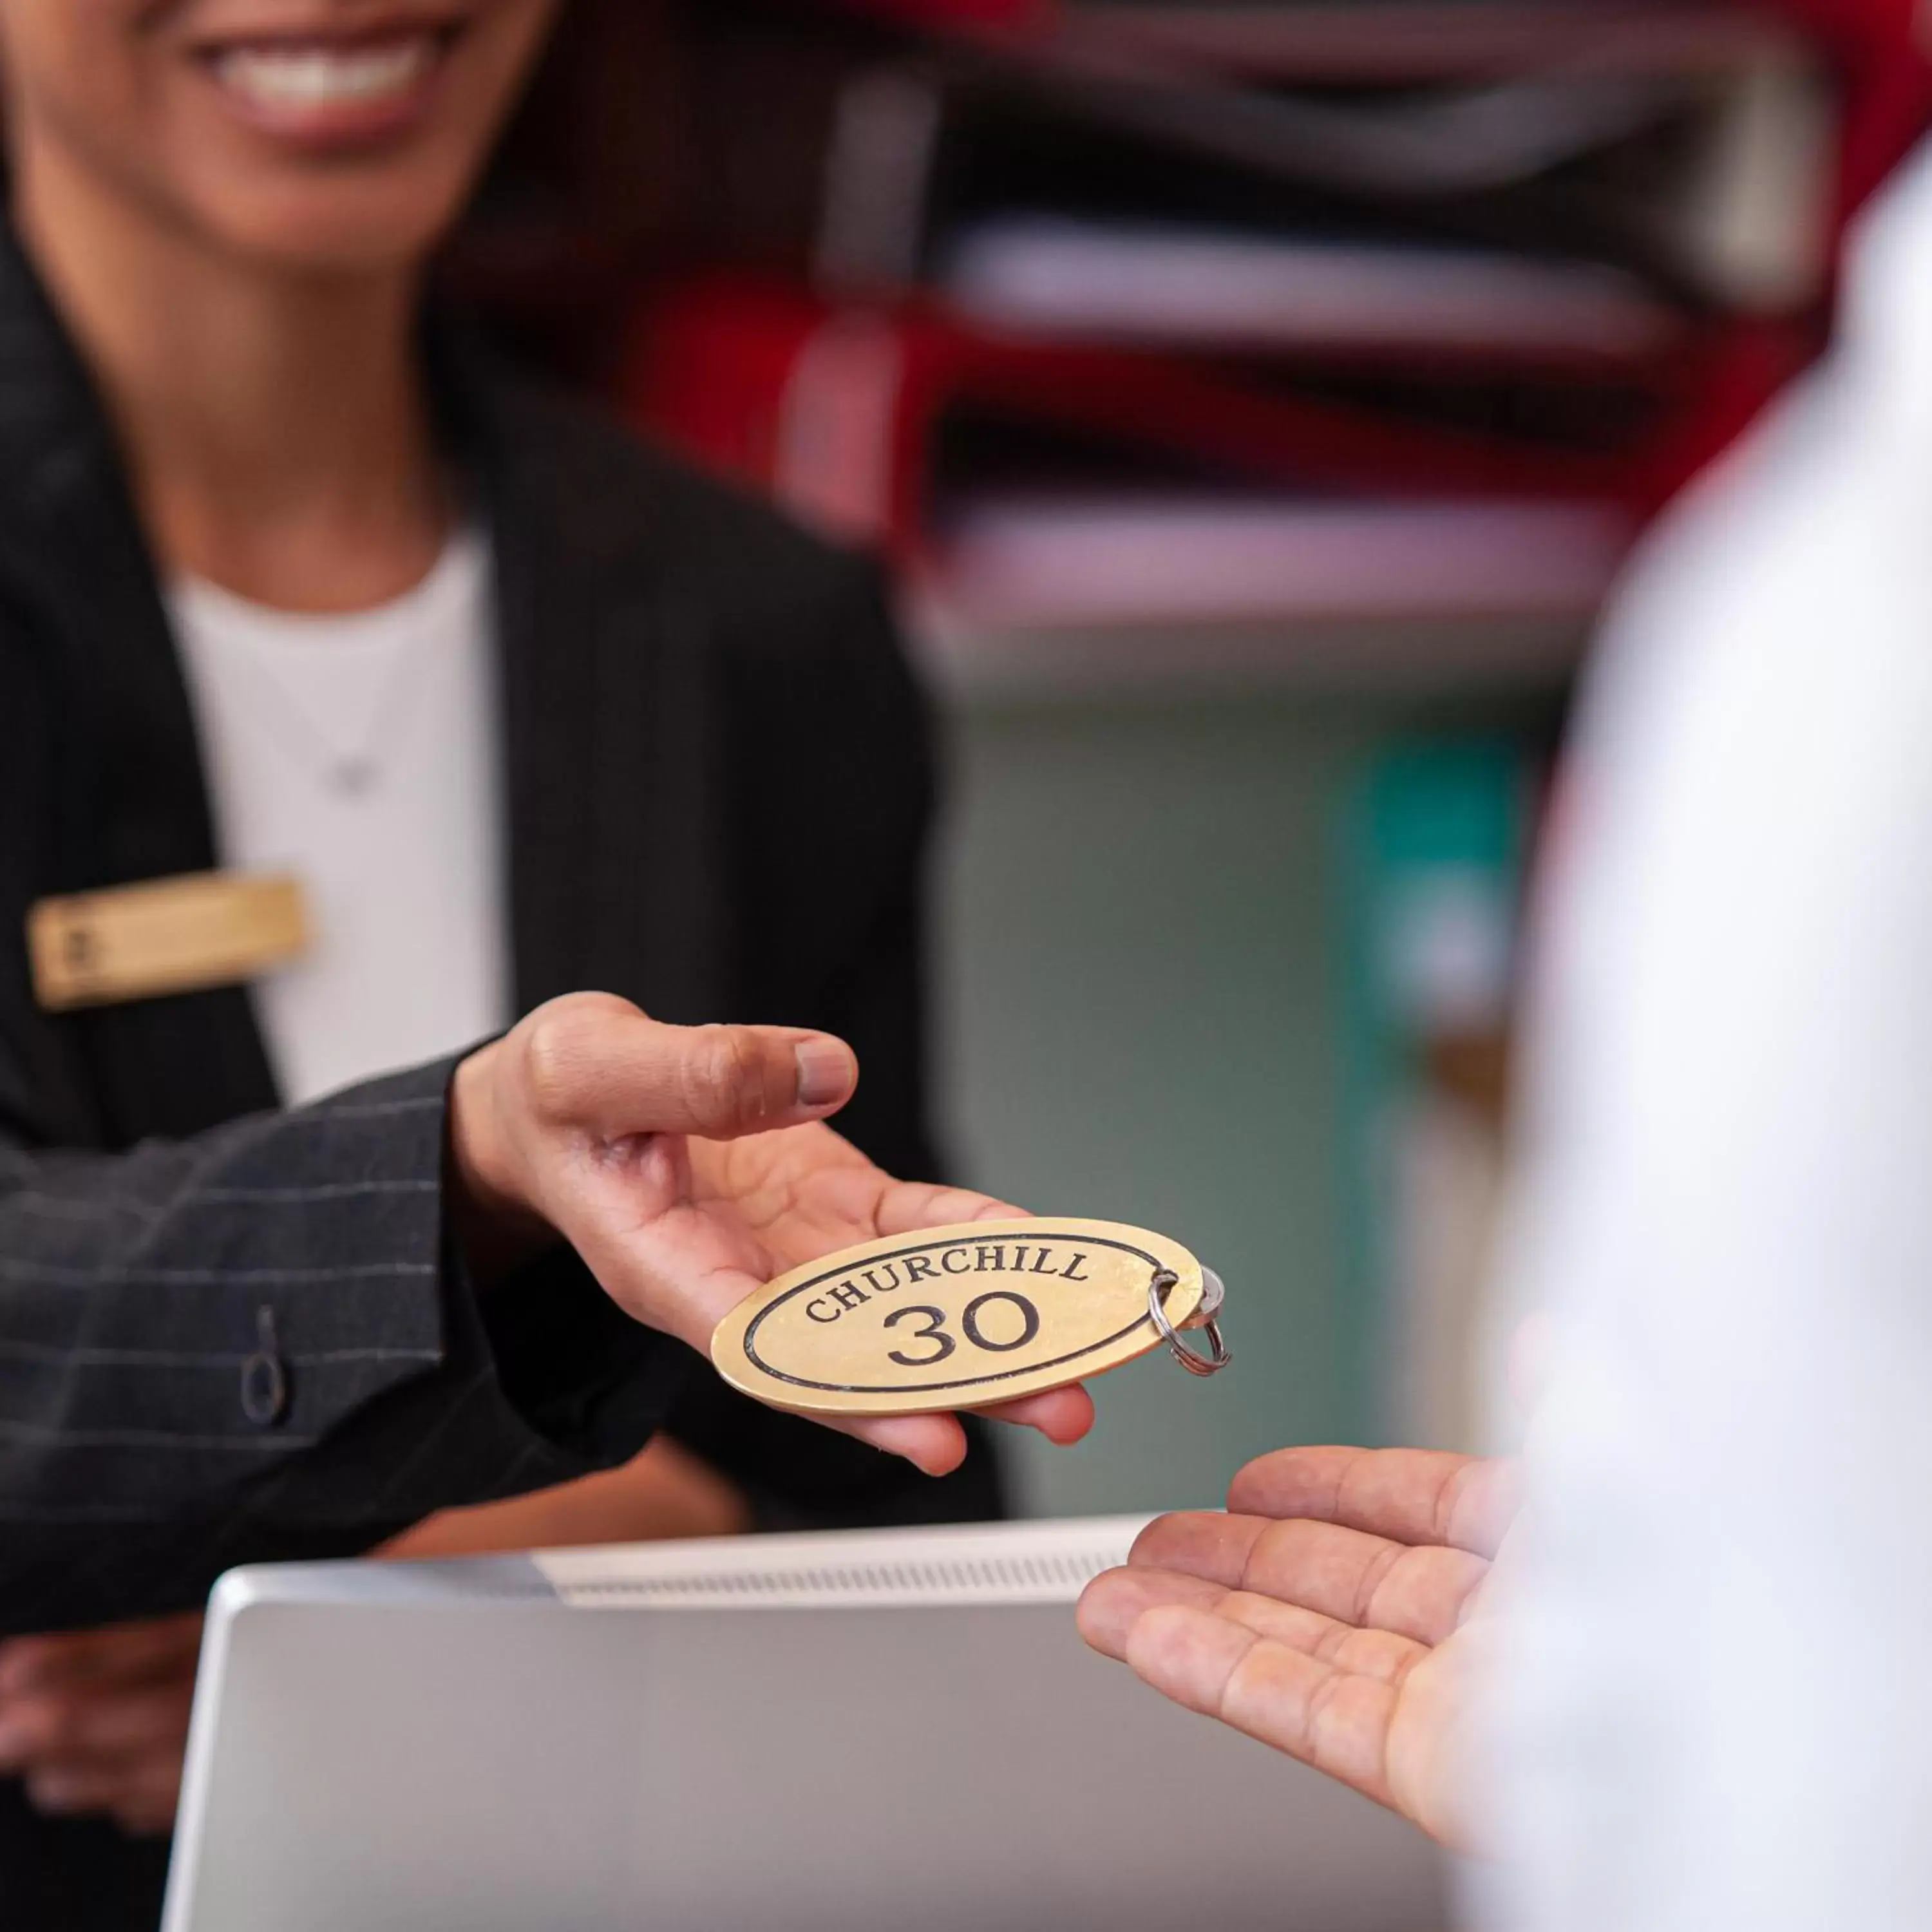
(1140,1019)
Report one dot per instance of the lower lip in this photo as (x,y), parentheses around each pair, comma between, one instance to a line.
(338,125)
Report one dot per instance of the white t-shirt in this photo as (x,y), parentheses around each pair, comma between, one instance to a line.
(1715,1698)
(358,753)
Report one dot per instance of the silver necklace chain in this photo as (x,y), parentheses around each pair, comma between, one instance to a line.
(352,772)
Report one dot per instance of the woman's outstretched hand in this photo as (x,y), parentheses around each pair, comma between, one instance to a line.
(687,1166)
(1327,1613)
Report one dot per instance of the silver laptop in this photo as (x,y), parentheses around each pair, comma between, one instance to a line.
(885,1729)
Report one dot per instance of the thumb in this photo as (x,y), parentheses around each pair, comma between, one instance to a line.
(599,1065)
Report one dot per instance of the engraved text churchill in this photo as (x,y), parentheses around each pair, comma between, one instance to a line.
(987,1257)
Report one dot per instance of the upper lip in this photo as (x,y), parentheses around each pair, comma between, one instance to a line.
(312,27)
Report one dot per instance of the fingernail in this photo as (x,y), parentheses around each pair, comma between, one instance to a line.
(825,1071)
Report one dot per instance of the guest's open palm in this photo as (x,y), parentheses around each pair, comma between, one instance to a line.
(1327,1613)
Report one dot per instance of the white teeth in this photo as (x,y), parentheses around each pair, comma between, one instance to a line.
(326,76)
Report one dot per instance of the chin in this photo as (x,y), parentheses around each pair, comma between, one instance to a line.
(330,229)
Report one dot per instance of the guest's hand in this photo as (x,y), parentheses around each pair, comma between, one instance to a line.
(1328,1614)
(689,1165)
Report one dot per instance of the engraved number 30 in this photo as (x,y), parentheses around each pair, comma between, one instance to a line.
(934,1329)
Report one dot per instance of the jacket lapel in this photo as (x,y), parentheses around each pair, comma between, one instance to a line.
(617,776)
(132,803)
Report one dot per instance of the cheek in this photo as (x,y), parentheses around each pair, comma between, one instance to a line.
(523,25)
(79,64)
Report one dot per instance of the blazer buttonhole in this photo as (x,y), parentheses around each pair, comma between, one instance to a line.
(265,1380)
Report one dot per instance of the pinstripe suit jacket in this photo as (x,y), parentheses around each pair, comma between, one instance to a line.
(718,779)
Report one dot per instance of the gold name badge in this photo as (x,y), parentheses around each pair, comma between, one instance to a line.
(176,935)
(965,1316)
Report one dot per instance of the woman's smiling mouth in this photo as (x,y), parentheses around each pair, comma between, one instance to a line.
(317,91)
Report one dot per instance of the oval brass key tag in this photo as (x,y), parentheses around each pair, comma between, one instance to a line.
(963,1317)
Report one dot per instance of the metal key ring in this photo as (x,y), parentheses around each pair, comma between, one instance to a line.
(1214,1295)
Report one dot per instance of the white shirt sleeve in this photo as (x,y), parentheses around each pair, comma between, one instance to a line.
(1716,1706)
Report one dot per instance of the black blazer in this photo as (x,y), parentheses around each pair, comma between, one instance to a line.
(718,786)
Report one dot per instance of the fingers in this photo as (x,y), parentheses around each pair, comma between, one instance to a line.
(589,1081)
(117,1753)
(96,1721)
(907,1206)
(1407,1495)
(1113,1604)
(1365,1706)
(1313,1710)
(55,1728)
(936,1444)
(1203,1543)
(1115,1600)
(119,1653)
(599,1066)
(140,1797)
(1357,1579)
(1063,1416)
